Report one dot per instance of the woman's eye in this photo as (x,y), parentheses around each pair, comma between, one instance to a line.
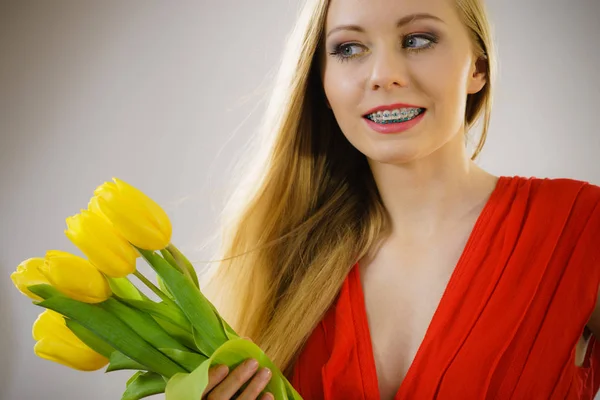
(347,51)
(418,42)
(415,42)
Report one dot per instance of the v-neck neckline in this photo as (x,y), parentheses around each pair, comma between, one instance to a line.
(360,312)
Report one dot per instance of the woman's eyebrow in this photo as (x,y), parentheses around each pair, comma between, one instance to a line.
(401,22)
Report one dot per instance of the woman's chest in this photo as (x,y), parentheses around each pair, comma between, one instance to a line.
(488,318)
(401,295)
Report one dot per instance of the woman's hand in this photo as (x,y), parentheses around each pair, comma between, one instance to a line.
(223,385)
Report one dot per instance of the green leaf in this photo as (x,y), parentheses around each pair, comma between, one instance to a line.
(183,263)
(119,361)
(235,351)
(44,291)
(144,385)
(109,328)
(184,337)
(189,386)
(199,340)
(192,302)
(169,317)
(162,310)
(232,353)
(133,378)
(231,334)
(143,324)
(123,288)
(178,266)
(186,359)
(169,258)
(163,287)
(88,337)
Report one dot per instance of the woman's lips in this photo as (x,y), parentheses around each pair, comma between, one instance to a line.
(396,127)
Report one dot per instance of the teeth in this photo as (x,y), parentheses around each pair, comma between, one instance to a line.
(398,115)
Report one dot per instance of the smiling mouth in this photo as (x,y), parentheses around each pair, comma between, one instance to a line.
(395,116)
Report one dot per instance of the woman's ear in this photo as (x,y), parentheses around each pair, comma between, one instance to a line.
(478,77)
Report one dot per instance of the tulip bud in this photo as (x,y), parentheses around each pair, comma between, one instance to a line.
(56,342)
(103,245)
(93,207)
(29,274)
(75,277)
(136,216)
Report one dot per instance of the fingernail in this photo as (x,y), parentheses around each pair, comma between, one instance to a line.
(221,371)
(265,373)
(252,364)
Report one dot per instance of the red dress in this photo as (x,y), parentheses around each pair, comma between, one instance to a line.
(508,322)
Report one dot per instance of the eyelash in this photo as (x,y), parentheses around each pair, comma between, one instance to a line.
(338,50)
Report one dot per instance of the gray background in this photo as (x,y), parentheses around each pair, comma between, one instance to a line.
(164,94)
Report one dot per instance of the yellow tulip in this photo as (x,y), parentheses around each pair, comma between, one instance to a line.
(102,244)
(29,274)
(75,277)
(93,207)
(136,216)
(56,342)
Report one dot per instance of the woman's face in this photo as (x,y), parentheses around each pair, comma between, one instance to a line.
(412,60)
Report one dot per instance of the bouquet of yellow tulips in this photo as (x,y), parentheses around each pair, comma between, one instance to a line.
(96,317)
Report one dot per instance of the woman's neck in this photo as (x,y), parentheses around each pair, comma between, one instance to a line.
(423,196)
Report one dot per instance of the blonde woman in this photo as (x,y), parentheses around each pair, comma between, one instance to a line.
(367,253)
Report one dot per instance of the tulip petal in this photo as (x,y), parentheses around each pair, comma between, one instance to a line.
(105,248)
(76,277)
(28,274)
(109,328)
(50,323)
(135,227)
(93,207)
(56,342)
(155,212)
(136,216)
(82,359)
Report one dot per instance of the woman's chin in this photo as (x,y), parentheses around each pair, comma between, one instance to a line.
(396,155)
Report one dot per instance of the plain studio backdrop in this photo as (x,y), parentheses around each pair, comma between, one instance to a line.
(165,94)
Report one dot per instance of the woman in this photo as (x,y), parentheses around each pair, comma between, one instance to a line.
(370,257)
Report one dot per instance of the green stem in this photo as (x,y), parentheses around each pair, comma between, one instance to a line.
(152,286)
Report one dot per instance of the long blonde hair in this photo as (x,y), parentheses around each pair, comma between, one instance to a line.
(307,208)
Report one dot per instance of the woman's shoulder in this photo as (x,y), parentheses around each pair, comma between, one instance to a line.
(555,191)
(554,182)
(544,205)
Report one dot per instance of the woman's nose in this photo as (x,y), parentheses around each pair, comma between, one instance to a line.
(388,70)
